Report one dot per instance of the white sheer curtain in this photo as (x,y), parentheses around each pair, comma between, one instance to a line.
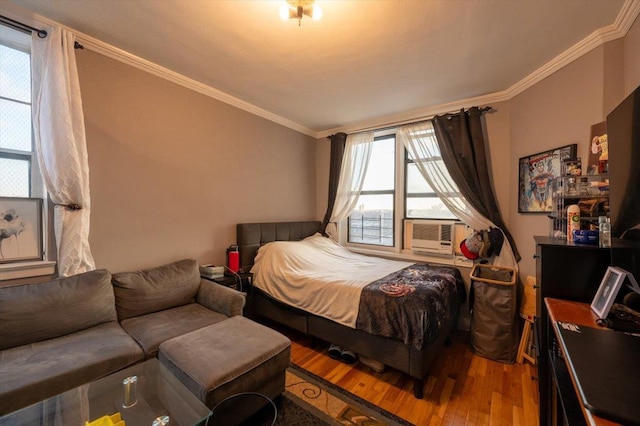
(357,153)
(60,145)
(420,141)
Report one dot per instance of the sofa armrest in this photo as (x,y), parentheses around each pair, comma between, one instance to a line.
(220,298)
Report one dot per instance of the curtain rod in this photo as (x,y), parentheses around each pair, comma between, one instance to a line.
(29,29)
(421,120)
(21,27)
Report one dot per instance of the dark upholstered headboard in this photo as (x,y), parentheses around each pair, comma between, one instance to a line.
(251,236)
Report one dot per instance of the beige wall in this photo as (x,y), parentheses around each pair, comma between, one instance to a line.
(497,139)
(632,58)
(613,90)
(172,171)
(560,110)
(557,111)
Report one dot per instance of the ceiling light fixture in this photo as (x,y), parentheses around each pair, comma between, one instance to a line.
(297,8)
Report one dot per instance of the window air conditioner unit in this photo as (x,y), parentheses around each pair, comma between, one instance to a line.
(431,236)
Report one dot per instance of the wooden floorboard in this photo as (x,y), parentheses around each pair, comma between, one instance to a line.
(462,388)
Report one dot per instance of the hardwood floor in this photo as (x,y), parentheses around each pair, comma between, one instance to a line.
(463,388)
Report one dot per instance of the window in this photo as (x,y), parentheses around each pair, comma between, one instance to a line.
(421,201)
(372,221)
(19,171)
(393,189)
(19,175)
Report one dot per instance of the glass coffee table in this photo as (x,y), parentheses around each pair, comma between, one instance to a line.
(146,394)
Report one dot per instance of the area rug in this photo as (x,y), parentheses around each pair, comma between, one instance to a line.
(309,400)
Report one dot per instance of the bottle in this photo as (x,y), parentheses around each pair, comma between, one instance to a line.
(604,232)
(573,221)
(571,186)
(601,220)
(584,185)
(233,258)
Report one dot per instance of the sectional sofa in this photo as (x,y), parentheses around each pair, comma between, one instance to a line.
(58,335)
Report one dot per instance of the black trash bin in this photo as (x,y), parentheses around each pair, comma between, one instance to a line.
(492,300)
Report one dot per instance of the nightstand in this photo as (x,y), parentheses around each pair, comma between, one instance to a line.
(240,282)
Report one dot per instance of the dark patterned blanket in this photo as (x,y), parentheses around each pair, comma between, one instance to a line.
(412,305)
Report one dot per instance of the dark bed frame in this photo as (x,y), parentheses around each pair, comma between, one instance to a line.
(393,353)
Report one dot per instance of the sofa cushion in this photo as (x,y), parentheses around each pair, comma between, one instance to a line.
(155,289)
(34,312)
(152,329)
(32,373)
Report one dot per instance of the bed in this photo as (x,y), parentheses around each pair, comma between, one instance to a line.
(419,303)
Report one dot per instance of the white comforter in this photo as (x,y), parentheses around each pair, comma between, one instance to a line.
(319,276)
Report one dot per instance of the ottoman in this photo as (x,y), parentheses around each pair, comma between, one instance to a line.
(233,356)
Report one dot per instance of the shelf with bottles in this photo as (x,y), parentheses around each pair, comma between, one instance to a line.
(581,186)
(589,192)
(558,225)
(590,208)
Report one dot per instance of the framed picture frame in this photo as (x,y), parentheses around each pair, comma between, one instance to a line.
(608,290)
(20,229)
(535,178)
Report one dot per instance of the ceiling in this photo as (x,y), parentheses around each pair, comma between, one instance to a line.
(364,63)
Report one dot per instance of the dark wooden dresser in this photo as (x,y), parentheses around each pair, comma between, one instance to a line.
(568,272)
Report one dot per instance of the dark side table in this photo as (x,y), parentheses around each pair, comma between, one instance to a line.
(241,282)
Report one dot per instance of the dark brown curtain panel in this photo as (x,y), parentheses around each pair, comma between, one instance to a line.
(338,142)
(461,140)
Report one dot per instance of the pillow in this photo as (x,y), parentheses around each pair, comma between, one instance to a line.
(34,312)
(156,289)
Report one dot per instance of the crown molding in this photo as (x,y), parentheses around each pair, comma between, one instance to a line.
(416,114)
(627,16)
(625,19)
(618,29)
(112,52)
